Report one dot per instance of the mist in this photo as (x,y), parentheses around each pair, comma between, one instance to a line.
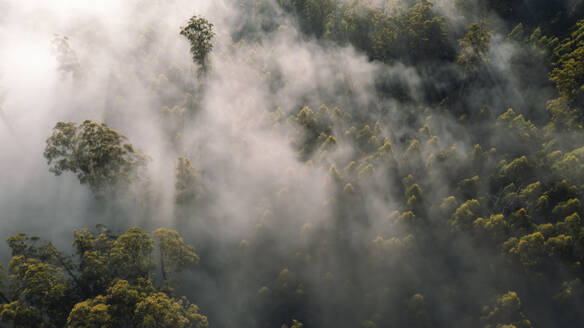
(334,182)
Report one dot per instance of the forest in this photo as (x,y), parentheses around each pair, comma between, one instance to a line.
(291,163)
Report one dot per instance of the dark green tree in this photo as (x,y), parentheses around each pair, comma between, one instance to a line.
(199,32)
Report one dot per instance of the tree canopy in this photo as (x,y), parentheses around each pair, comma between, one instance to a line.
(97,154)
(110,281)
(199,32)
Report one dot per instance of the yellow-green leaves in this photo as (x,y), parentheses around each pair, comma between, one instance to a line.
(20,315)
(295,324)
(98,155)
(517,170)
(473,46)
(158,310)
(529,249)
(38,291)
(131,254)
(138,305)
(505,311)
(108,285)
(465,215)
(175,255)
(92,313)
(568,72)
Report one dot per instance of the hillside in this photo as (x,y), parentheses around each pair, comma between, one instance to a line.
(292,163)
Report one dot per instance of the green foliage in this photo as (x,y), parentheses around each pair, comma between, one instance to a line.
(520,222)
(97,154)
(474,46)
(138,305)
(158,310)
(505,310)
(529,249)
(570,225)
(91,313)
(517,170)
(559,246)
(517,126)
(562,116)
(189,185)
(416,34)
(20,315)
(496,226)
(316,12)
(469,187)
(566,208)
(39,285)
(200,34)
(531,193)
(408,33)
(95,271)
(480,203)
(108,285)
(568,72)
(295,324)
(175,255)
(466,214)
(518,33)
(131,254)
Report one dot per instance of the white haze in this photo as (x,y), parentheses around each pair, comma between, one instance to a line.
(117,89)
(123,47)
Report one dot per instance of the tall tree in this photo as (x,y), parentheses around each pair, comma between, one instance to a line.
(199,32)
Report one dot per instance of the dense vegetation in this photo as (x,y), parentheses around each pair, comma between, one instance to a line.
(481,168)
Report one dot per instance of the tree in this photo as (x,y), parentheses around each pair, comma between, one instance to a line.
(316,13)
(568,71)
(416,314)
(199,32)
(158,310)
(424,33)
(66,57)
(465,214)
(107,284)
(175,255)
(473,46)
(93,249)
(505,311)
(97,154)
(414,35)
(295,324)
(131,254)
(136,305)
(529,249)
(518,170)
(39,289)
(496,226)
(562,116)
(189,184)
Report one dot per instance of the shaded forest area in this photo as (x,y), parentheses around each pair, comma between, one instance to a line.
(332,163)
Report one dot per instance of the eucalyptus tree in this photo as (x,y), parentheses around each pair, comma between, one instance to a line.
(97,154)
(199,32)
